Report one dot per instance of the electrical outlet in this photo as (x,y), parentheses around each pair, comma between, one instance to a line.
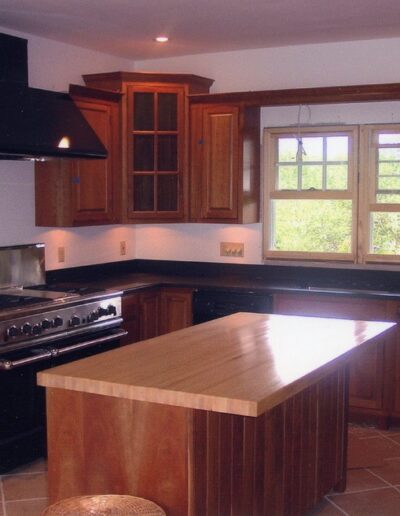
(232,249)
(61,254)
(122,248)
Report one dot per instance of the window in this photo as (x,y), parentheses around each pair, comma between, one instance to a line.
(311,201)
(328,198)
(380,190)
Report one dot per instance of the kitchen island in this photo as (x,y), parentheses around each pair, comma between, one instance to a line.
(243,415)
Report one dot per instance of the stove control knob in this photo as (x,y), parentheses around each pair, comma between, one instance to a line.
(93,316)
(102,311)
(36,329)
(75,320)
(58,321)
(112,310)
(13,331)
(27,329)
(46,324)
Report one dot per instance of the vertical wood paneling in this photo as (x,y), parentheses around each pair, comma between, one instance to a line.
(282,462)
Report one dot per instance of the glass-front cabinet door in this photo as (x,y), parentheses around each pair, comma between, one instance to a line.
(155,152)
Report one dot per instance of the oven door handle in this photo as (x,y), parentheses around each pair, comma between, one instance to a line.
(6,365)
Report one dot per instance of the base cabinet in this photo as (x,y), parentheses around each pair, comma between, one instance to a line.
(372,375)
(153,312)
(176,309)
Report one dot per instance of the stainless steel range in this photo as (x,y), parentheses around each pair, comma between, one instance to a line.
(41,328)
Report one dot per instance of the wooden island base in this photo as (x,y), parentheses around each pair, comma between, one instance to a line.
(199,462)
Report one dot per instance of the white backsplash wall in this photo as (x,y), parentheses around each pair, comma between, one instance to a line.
(54,66)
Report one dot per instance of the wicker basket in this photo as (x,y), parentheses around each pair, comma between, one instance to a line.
(103,505)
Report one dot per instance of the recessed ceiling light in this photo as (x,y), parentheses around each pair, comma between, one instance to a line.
(161,39)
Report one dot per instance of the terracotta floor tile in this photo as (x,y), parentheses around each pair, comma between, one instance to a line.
(361,480)
(378,502)
(22,487)
(362,431)
(362,454)
(325,508)
(38,466)
(390,471)
(26,507)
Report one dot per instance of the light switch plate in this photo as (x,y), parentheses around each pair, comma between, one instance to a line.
(232,249)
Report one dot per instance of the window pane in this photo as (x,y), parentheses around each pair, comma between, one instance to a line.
(143,193)
(389,198)
(385,233)
(143,119)
(389,154)
(167,112)
(313,148)
(287,149)
(167,152)
(143,152)
(389,183)
(389,168)
(312,177)
(389,138)
(312,225)
(167,192)
(287,178)
(337,148)
(336,177)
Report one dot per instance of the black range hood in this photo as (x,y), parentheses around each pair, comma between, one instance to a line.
(35,123)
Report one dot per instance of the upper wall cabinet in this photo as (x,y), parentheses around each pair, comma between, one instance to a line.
(83,192)
(155,143)
(225,163)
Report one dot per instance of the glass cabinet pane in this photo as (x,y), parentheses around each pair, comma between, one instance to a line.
(167,188)
(143,193)
(143,152)
(167,112)
(143,109)
(167,156)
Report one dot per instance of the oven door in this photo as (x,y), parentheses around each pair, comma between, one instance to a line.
(22,402)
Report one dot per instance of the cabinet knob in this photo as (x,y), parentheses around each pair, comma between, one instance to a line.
(200,142)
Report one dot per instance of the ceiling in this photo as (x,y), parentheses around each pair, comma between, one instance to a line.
(126,28)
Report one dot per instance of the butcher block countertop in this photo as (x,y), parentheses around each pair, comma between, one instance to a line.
(242,364)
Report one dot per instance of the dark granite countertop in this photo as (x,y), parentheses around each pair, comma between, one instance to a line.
(136,281)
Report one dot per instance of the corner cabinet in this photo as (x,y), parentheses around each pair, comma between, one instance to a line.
(83,192)
(155,141)
(225,163)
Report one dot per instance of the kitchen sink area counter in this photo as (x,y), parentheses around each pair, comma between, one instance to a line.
(238,390)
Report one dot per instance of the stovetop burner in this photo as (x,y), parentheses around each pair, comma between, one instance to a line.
(17,301)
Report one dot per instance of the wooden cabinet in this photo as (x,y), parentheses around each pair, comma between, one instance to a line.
(176,309)
(149,314)
(78,192)
(155,311)
(394,315)
(155,141)
(371,375)
(225,163)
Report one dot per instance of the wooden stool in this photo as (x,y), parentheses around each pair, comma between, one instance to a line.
(103,505)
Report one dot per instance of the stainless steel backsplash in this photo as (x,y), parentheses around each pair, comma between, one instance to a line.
(22,265)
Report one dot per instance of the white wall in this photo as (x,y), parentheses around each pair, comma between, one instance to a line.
(54,66)
(330,64)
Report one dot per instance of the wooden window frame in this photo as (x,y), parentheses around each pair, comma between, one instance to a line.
(368,190)
(271,192)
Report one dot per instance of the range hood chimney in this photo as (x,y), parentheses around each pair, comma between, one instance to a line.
(35,123)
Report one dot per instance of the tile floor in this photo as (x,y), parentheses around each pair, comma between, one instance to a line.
(373,482)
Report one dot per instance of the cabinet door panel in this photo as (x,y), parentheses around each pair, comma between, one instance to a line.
(92,179)
(149,314)
(221,162)
(176,309)
(367,371)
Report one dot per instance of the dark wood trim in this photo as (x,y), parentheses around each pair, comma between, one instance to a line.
(324,95)
(149,77)
(75,90)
